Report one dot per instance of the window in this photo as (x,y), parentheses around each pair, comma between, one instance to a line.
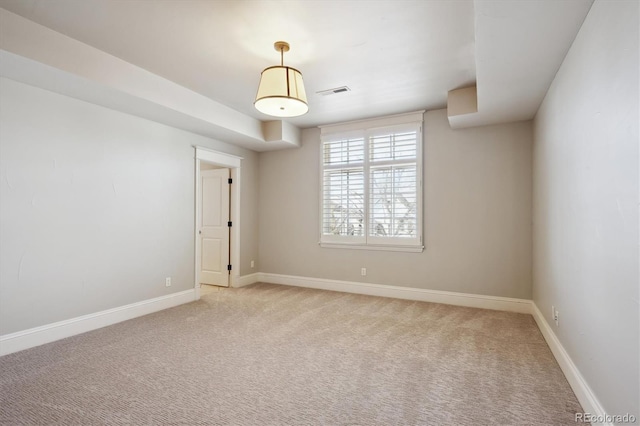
(371,184)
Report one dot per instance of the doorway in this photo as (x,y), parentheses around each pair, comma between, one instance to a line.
(217,217)
(215,226)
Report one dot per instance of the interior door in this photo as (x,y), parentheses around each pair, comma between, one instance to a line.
(214,227)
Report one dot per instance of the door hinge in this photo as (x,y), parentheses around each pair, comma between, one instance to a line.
(229,224)
(228,267)
(230,181)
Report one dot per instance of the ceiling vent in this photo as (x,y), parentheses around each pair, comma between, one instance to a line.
(334,91)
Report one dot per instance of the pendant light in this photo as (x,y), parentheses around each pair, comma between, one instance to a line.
(281,90)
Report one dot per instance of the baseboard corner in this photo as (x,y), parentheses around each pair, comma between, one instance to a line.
(245,280)
(579,385)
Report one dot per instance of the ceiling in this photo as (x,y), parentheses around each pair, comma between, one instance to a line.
(395,56)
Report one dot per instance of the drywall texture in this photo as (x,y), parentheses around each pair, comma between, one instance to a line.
(477,204)
(249,211)
(586,204)
(97,207)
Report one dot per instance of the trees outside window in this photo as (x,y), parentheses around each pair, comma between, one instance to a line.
(371,187)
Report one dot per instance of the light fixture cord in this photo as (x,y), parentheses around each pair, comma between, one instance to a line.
(281,56)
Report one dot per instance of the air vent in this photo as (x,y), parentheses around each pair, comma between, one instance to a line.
(334,91)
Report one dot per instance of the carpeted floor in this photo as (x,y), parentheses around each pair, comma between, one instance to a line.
(276,355)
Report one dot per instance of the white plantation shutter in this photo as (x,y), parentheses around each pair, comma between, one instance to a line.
(400,145)
(343,193)
(392,211)
(344,151)
(371,186)
(344,202)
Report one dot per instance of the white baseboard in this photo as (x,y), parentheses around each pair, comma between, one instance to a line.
(522,306)
(585,395)
(247,280)
(26,339)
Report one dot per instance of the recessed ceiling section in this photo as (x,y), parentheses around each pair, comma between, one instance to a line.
(196,64)
(395,56)
(520,47)
(36,55)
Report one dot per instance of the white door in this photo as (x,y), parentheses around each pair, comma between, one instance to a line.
(214,227)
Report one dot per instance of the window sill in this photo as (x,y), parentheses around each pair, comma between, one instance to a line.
(406,249)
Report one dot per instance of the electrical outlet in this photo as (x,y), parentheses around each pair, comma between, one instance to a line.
(253,264)
(363,272)
(554,315)
(167,282)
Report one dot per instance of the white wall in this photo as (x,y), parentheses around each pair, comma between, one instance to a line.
(97,207)
(477,216)
(586,204)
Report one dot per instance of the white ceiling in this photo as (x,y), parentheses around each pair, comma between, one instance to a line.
(396,56)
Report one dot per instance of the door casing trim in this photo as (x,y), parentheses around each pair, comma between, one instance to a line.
(233,163)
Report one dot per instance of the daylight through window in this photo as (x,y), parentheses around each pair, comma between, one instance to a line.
(371,185)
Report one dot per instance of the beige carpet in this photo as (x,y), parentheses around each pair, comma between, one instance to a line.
(275,355)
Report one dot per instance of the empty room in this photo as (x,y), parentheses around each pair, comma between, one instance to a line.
(356,212)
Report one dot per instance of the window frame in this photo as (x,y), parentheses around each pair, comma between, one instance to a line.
(366,129)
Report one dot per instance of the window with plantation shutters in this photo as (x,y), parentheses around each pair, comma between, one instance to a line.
(344,189)
(371,184)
